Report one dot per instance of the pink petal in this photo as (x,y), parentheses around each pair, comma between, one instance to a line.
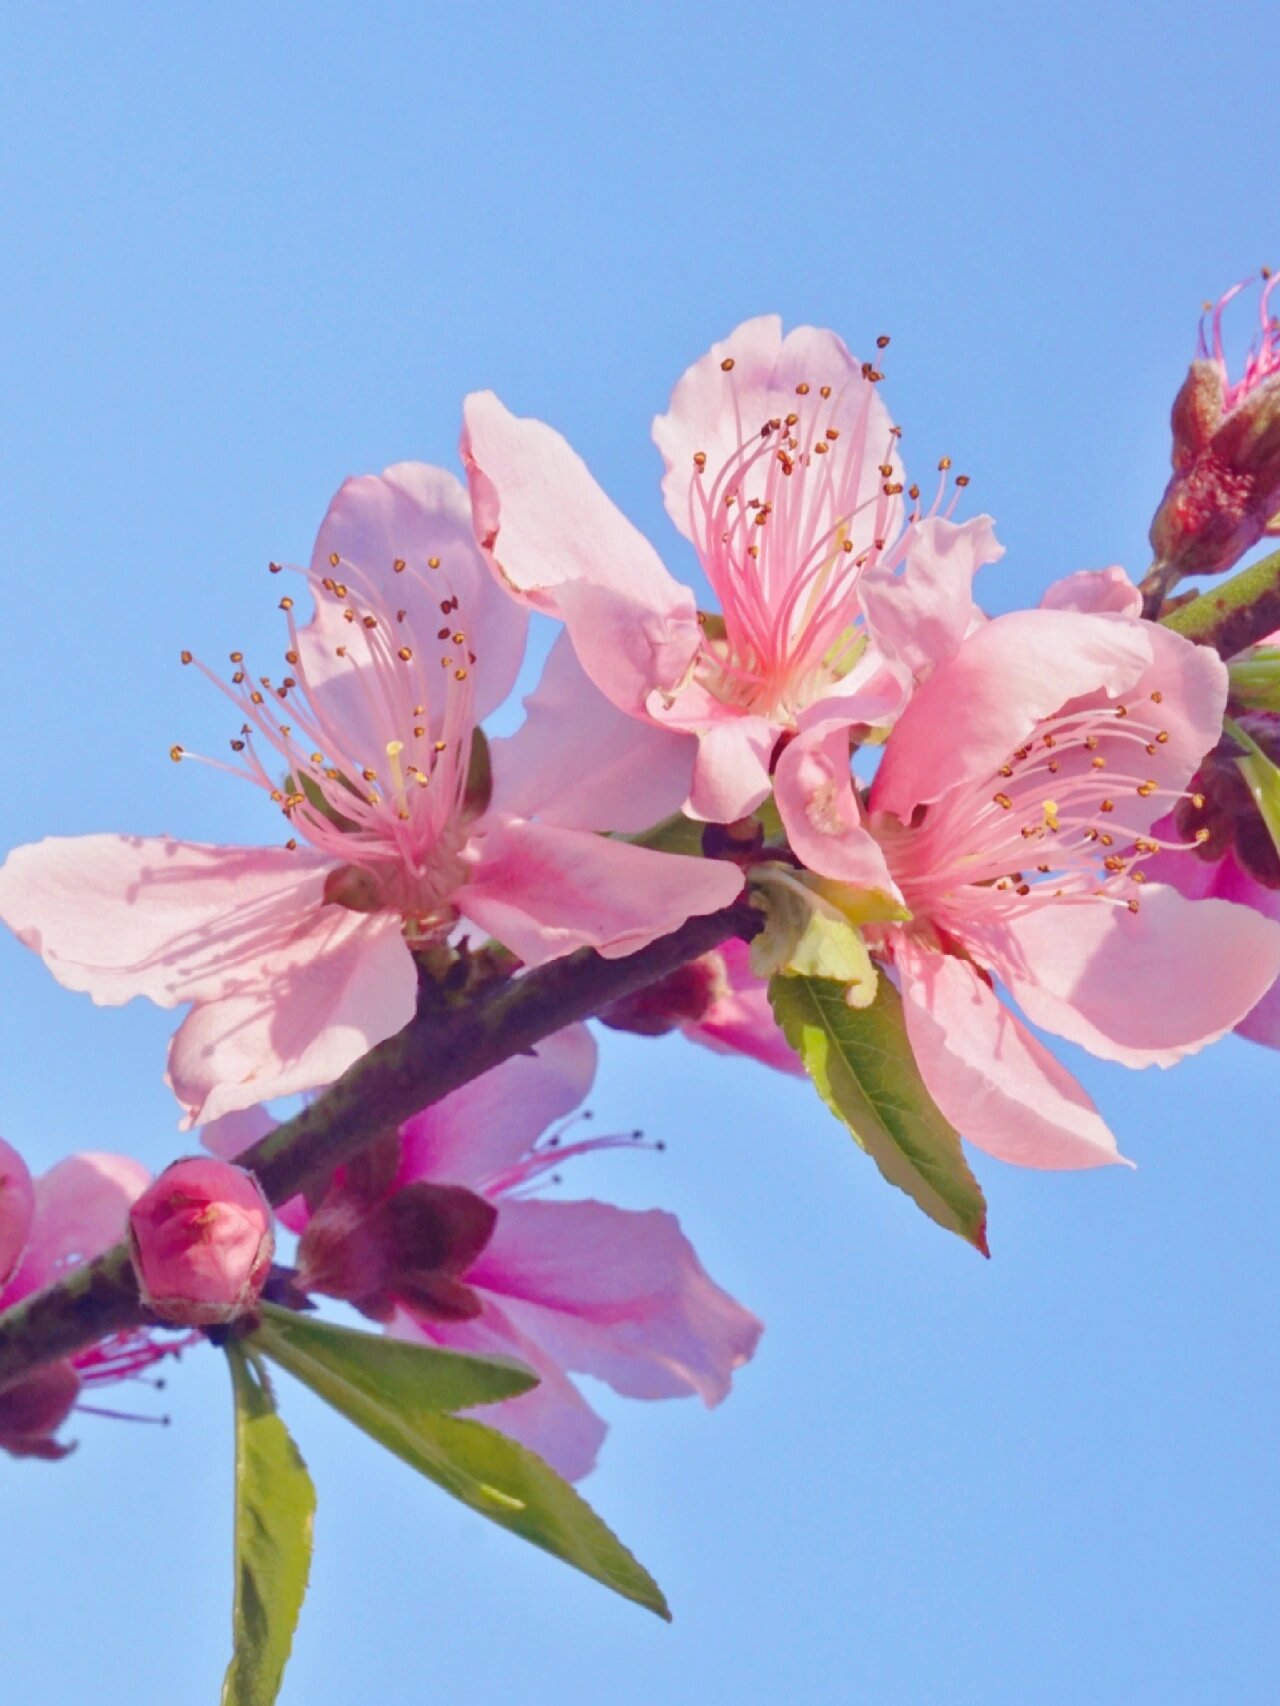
(554,1420)
(1261,1024)
(314,1008)
(996,1083)
(578,761)
(978,707)
(740,1019)
(17,1206)
(544,891)
(549,528)
(480,1131)
(413,513)
(813,788)
(82,1209)
(1095,590)
(116,916)
(716,407)
(920,615)
(1144,987)
(731,772)
(618,1294)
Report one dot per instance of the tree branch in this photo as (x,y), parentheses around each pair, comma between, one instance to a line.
(433,1055)
(1239,613)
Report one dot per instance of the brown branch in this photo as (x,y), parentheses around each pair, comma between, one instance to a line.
(434,1054)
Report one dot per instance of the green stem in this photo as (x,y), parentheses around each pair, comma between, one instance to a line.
(1236,614)
(433,1055)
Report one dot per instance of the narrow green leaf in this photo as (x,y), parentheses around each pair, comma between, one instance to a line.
(861,1063)
(675,834)
(413,1377)
(275,1507)
(476,1464)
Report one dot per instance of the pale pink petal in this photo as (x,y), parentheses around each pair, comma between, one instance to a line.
(231,1135)
(919,615)
(415,514)
(750,379)
(1140,988)
(616,1293)
(307,1014)
(116,916)
(731,773)
(554,1419)
(1261,1024)
(548,527)
(977,708)
(544,891)
(996,1083)
(17,1206)
(1095,590)
(578,761)
(82,1207)
(476,1134)
(740,1019)
(813,789)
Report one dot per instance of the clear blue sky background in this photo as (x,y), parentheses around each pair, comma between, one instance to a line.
(251,250)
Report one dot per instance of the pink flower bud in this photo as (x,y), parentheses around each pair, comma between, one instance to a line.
(1225,491)
(202,1242)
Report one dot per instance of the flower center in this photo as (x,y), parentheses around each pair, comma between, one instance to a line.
(378,740)
(1056,823)
(784,528)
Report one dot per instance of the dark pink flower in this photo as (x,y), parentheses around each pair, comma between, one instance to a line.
(202,1242)
(438,1234)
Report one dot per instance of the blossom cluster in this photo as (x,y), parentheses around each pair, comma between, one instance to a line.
(1021,824)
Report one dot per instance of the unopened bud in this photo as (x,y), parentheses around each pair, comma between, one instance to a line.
(202,1242)
(1224,494)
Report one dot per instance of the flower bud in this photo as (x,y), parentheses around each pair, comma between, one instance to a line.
(1224,494)
(202,1242)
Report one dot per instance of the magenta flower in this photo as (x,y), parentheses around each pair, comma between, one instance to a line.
(202,1242)
(1224,493)
(438,1235)
(297,959)
(1012,816)
(47,1227)
(783,471)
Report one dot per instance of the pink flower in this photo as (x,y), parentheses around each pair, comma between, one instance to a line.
(48,1227)
(715,1000)
(1224,494)
(437,1234)
(1012,814)
(783,471)
(202,1242)
(297,959)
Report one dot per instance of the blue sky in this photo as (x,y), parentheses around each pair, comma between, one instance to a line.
(252,250)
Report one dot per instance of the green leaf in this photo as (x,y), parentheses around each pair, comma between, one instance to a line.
(476,1464)
(275,1506)
(861,1062)
(413,1377)
(675,834)
(1262,776)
